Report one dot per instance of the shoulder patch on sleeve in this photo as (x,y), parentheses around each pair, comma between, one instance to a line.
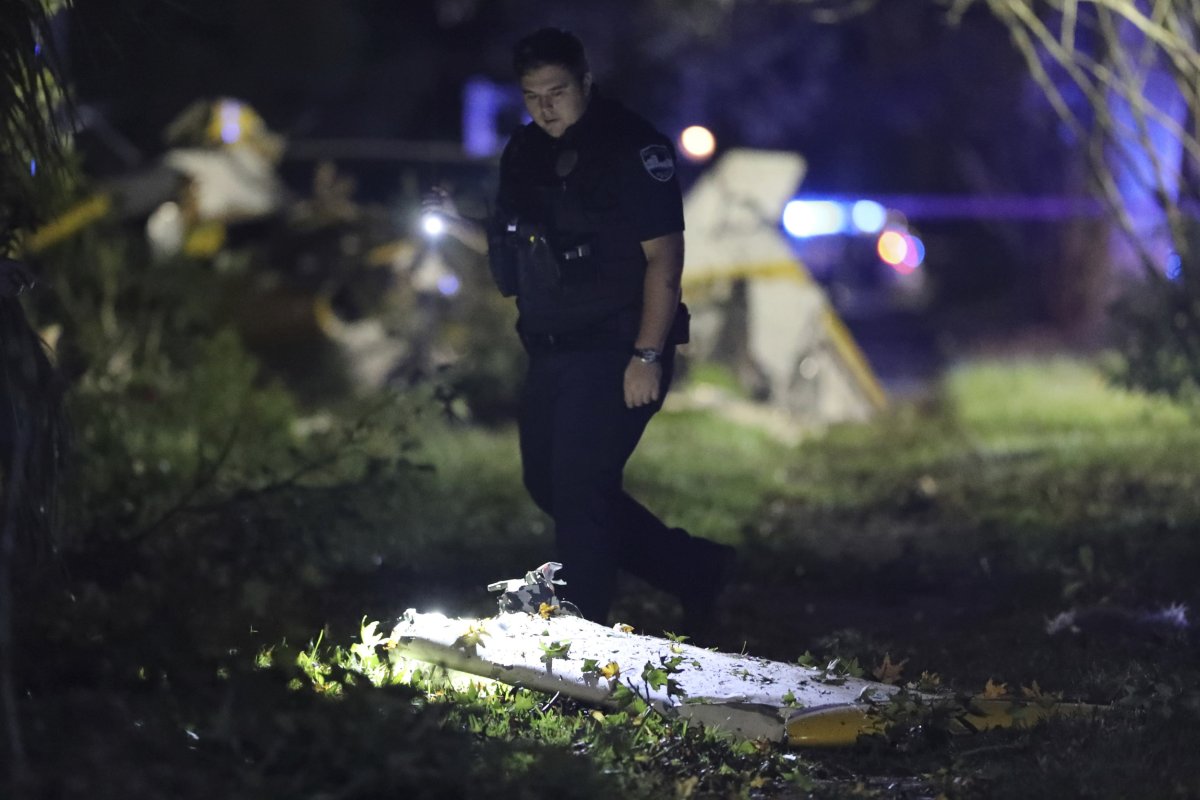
(659,162)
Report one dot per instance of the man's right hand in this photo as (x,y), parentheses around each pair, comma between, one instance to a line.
(471,233)
(438,201)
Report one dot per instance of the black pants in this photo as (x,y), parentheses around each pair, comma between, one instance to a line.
(576,435)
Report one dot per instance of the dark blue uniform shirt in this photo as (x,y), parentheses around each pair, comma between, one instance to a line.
(598,191)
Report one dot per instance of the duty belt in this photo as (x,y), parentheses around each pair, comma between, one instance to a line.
(579,340)
(572,254)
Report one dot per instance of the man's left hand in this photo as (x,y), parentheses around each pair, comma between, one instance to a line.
(642,382)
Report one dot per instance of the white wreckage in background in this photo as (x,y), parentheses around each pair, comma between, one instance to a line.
(754,305)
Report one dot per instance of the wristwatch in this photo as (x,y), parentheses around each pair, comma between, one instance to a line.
(648,355)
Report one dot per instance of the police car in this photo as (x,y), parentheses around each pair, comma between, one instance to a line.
(865,255)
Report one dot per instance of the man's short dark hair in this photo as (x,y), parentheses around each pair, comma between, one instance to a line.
(550,46)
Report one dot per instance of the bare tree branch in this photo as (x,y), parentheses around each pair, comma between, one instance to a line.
(1142,71)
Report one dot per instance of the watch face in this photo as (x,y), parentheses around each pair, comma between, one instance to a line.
(647,355)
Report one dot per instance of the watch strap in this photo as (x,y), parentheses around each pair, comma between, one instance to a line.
(648,355)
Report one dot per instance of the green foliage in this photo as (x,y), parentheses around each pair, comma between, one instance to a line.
(249,734)
(158,432)
(1158,325)
(175,422)
(716,375)
(742,468)
(1044,484)
(658,676)
(552,651)
(1019,460)
(639,752)
(1106,107)
(33,149)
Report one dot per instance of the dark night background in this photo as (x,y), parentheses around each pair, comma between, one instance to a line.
(896,101)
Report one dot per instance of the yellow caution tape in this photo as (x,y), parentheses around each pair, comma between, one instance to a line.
(793,270)
(853,356)
(69,223)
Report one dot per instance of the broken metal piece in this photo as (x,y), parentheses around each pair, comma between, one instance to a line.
(747,697)
(534,593)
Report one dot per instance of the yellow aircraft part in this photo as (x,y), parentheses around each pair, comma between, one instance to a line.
(205,240)
(67,224)
(232,121)
(841,725)
(843,342)
(831,726)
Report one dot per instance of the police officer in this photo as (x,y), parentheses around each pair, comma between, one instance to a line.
(588,234)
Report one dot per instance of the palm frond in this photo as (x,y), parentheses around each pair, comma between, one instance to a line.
(30,140)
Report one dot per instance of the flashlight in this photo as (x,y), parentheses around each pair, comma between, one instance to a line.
(433,224)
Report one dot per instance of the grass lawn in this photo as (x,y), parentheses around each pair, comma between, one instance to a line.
(947,534)
(942,536)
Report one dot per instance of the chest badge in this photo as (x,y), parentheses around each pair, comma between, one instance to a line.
(658,162)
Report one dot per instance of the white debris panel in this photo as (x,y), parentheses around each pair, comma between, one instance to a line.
(743,695)
(812,367)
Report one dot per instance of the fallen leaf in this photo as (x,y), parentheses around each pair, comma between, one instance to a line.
(1036,694)
(887,672)
(686,787)
(928,682)
(610,670)
(545,610)
(469,642)
(995,690)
